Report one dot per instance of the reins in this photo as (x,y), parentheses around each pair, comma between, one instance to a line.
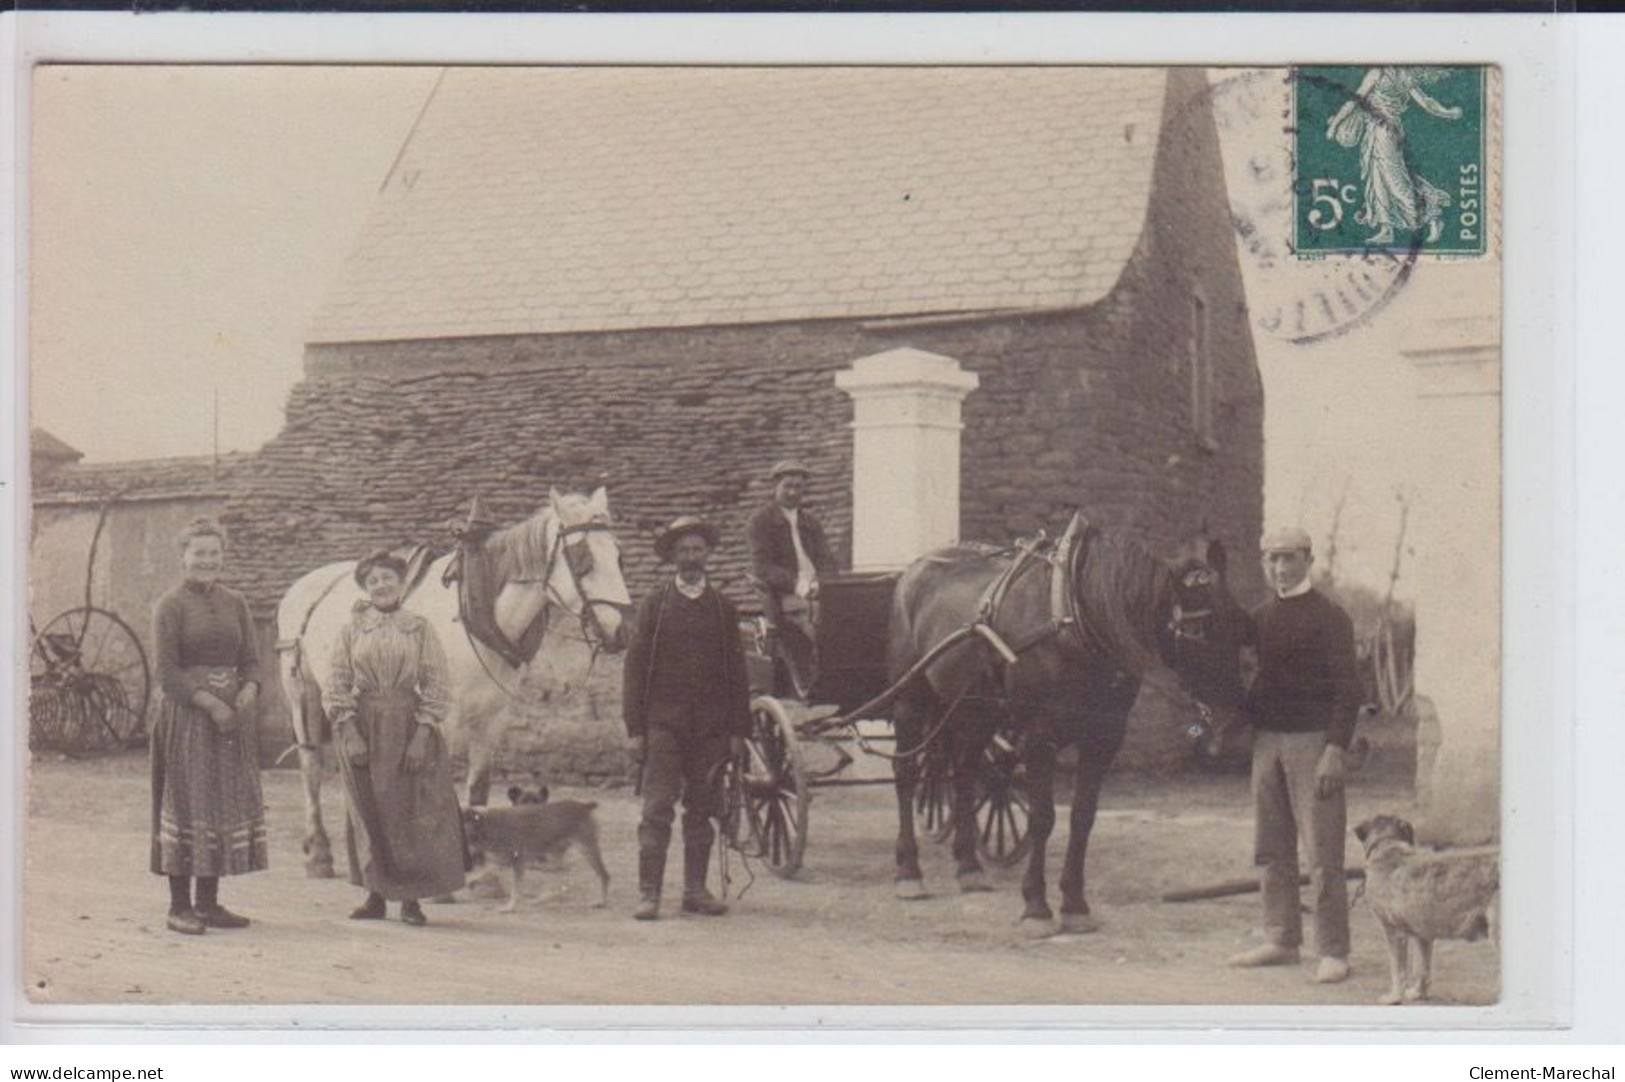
(1068,621)
(982,627)
(919,749)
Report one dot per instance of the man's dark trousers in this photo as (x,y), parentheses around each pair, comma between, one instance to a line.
(679,765)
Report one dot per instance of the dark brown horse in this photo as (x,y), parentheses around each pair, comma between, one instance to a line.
(1082,645)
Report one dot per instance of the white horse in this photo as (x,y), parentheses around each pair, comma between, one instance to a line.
(564,558)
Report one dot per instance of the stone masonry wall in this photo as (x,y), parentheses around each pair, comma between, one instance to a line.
(1088,408)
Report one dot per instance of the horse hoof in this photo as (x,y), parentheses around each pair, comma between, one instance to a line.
(911,890)
(1390,999)
(973,883)
(1037,927)
(318,869)
(1078,924)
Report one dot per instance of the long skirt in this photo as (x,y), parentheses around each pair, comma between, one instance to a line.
(208,818)
(404,832)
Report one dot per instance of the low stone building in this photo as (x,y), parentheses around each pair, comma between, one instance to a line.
(651,278)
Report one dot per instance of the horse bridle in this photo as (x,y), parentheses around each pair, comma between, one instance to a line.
(578,560)
(1190,625)
(1184,625)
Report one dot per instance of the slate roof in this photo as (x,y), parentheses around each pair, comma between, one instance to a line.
(546,200)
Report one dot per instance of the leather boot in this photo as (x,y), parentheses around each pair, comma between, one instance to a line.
(651,870)
(696,899)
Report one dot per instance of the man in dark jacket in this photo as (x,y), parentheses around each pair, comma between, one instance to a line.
(788,551)
(1302,706)
(686,703)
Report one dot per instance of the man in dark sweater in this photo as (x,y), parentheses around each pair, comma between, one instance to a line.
(686,703)
(1302,707)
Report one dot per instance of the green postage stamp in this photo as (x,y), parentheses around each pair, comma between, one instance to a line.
(1389,158)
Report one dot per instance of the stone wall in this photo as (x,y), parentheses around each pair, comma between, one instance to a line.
(1087,408)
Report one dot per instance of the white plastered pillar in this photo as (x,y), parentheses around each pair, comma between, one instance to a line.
(905,454)
(1457,543)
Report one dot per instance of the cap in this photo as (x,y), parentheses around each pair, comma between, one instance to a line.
(788,466)
(1287,539)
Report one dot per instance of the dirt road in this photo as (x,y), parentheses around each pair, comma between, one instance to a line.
(95,931)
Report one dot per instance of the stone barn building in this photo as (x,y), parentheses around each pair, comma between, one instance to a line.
(651,279)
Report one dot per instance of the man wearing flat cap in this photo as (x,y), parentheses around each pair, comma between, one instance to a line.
(788,551)
(686,703)
(1302,707)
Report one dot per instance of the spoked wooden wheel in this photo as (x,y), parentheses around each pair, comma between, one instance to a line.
(88,681)
(933,797)
(1003,819)
(774,785)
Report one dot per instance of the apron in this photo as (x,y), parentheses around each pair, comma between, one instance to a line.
(404,832)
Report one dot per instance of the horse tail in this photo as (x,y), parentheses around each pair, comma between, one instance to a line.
(312,711)
(304,695)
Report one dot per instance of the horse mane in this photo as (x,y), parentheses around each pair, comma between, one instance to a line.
(1124,593)
(520,551)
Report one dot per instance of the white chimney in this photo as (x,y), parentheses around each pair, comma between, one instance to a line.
(905,454)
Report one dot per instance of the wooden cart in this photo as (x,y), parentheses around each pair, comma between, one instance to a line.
(794,749)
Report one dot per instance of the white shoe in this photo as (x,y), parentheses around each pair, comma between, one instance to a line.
(1332,970)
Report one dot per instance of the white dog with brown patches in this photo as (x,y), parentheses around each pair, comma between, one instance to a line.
(1419,896)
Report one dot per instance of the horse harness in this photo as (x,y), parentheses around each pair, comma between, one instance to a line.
(1068,621)
(1065,559)
(577,557)
(482,628)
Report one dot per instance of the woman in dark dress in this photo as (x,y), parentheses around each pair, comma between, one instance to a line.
(387,695)
(208,819)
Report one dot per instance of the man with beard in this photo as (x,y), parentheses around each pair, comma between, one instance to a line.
(687,708)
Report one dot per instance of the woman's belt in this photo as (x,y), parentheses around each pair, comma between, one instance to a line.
(221,681)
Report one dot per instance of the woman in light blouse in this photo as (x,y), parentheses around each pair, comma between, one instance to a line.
(208,819)
(387,696)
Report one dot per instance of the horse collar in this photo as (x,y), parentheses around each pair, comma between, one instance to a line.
(1070,559)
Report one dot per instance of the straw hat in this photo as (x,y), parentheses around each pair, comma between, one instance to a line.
(681,525)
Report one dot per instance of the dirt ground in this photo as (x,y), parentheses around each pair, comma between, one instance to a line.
(95,934)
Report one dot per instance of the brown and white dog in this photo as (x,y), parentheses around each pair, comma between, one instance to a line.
(1420,896)
(511,837)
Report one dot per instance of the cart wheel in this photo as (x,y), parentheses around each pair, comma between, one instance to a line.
(89,685)
(933,797)
(1002,816)
(775,788)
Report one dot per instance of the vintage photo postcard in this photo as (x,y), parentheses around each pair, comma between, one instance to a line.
(715,536)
